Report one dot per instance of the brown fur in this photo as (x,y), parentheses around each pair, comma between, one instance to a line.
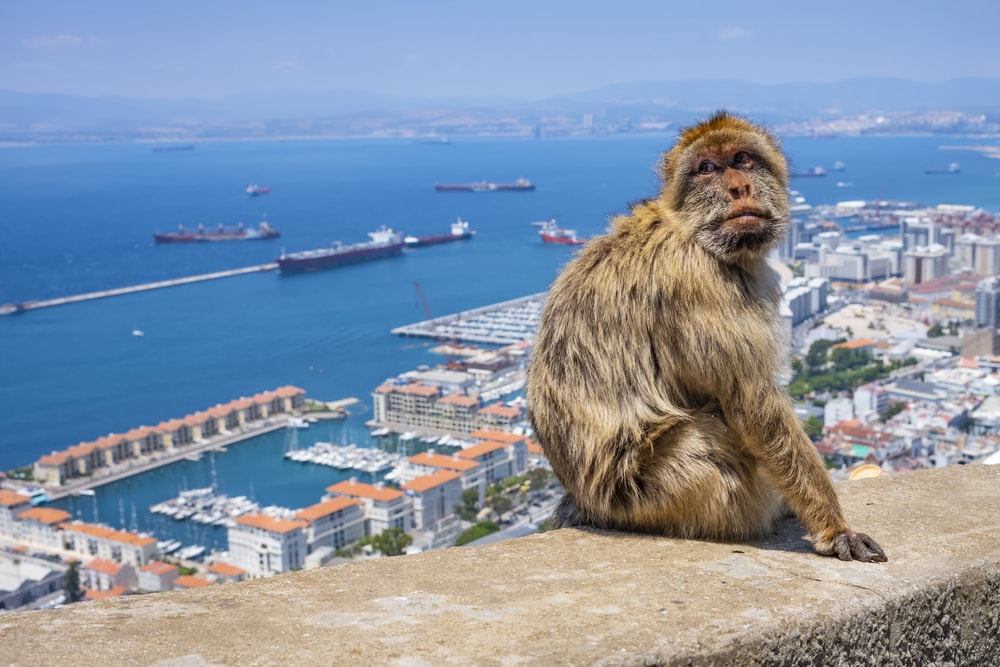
(652,386)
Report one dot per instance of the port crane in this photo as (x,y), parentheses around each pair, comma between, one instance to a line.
(448,344)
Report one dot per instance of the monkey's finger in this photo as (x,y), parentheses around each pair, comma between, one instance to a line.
(866,549)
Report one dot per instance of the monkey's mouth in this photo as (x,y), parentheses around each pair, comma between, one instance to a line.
(748,217)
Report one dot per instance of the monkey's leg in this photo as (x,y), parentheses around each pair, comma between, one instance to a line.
(773,432)
(693,480)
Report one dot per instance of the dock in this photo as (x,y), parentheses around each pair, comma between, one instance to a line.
(11,308)
(504,323)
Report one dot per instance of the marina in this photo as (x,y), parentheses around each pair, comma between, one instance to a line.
(346,457)
(205,506)
(504,323)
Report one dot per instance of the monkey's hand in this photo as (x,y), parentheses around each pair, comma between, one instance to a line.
(852,546)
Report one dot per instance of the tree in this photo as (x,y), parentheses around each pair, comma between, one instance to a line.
(481,529)
(390,542)
(538,477)
(71,583)
(814,427)
(470,505)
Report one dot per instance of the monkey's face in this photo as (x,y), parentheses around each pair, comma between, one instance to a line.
(737,198)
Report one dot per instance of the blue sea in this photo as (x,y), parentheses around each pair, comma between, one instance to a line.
(80,218)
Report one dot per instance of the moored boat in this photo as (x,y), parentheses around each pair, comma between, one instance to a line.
(254,190)
(262,232)
(459,232)
(384,243)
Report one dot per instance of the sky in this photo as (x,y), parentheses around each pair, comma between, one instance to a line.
(497,49)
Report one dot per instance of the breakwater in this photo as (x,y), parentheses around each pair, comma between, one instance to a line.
(12,308)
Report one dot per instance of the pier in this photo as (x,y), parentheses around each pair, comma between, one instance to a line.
(11,308)
(504,323)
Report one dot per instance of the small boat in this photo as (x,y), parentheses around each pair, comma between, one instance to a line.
(254,190)
(297,422)
(815,172)
(138,332)
(550,232)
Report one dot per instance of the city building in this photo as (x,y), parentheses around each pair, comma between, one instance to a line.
(335,523)
(263,545)
(103,575)
(988,303)
(102,542)
(41,526)
(23,580)
(12,504)
(156,577)
(384,507)
(226,573)
(427,463)
(924,263)
(434,497)
(838,410)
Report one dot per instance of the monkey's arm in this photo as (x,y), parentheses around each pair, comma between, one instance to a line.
(763,412)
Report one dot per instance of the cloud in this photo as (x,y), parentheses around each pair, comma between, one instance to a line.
(62,43)
(733,34)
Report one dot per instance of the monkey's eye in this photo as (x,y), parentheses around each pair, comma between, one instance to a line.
(707,167)
(742,159)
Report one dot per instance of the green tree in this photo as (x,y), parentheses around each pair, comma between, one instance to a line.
(470,505)
(935,331)
(539,477)
(814,427)
(894,409)
(390,542)
(481,529)
(71,583)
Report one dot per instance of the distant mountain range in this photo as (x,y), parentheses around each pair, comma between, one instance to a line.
(622,107)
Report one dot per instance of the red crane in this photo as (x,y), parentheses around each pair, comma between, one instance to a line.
(442,340)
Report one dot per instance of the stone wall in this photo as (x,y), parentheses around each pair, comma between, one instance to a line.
(583,598)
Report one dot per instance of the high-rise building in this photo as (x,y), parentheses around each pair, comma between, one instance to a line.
(988,303)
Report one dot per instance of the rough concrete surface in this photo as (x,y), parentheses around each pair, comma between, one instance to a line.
(589,598)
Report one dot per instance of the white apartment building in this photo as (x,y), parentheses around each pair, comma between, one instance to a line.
(103,542)
(41,526)
(384,507)
(333,523)
(263,545)
(499,454)
(12,504)
(925,263)
(427,463)
(434,497)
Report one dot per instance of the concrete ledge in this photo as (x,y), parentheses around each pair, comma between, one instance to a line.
(578,597)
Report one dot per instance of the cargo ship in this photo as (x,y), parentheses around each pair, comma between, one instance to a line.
(238,233)
(815,172)
(254,190)
(520,185)
(553,233)
(953,168)
(384,243)
(459,232)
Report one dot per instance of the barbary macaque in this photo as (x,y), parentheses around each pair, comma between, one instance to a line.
(652,386)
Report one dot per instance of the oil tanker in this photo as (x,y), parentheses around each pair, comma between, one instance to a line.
(459,232)
(384,243)
(520,185)
(238,233)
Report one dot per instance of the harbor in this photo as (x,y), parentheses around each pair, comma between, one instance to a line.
(369,460)
(505,323)
(20,307)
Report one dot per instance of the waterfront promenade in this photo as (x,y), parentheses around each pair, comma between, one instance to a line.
(9,309)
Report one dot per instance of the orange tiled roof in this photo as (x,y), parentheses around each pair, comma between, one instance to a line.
(442,461)
(482,448)
(103,595)
(501,410)
(534,448)
(362,490)
(327,508)
(428,482)
(159,568)
(420,390)
(191,581)
(270,523)
(493,434)
(855,344)
(48,515)
(104,565)
(53,459)
(106,533)
(12,498)
(226,570)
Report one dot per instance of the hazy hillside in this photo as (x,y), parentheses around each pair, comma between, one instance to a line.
(623,107)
